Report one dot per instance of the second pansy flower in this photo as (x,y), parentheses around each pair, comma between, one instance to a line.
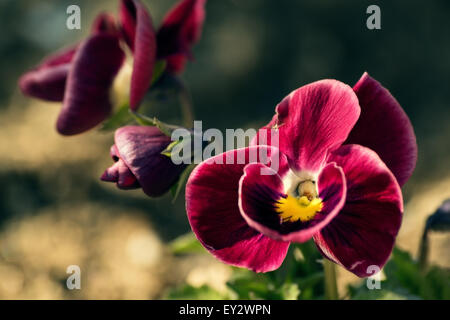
(138,162)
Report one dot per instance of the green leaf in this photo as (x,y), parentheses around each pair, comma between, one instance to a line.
(168,150)
(383,294)
(186,244)
(178,186)
(311,280)
(119,119)
(188,292)
(405,278)
(290,291)
(246,284)
(403,271)
(436,284)
(153,122)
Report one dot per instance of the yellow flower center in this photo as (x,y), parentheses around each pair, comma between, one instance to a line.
(303,207)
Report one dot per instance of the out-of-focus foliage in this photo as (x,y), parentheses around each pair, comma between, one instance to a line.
(188,292)
(404,279)
(298,278)
(185,244)
(301,277)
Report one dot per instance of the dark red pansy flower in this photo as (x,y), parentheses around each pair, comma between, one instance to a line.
(345,196)
(138,162)
(83,75)
(47,81)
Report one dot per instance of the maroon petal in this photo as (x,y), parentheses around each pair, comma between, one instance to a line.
(87,101)
(48,80)
(121,175)
(46,83)
(175,63)
(127,16)
(212,207)
(114,153)
(104,23)
(385,128)
(111,174)
(363,234)
(139,34)
(63,56)
(119,172)
(259,194)
(264,135)
(140,148)
(313,120)
(181,28)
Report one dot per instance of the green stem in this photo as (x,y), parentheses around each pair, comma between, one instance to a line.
(331,291)
(186,107)
(154,122)
(423,251)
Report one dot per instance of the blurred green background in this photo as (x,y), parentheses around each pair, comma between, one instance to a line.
(54,211)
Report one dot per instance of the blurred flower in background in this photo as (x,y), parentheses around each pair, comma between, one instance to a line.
(83,75)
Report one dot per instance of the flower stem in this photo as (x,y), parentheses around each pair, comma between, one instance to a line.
(186,108)
(423,251)
(185,101)
(331,291)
